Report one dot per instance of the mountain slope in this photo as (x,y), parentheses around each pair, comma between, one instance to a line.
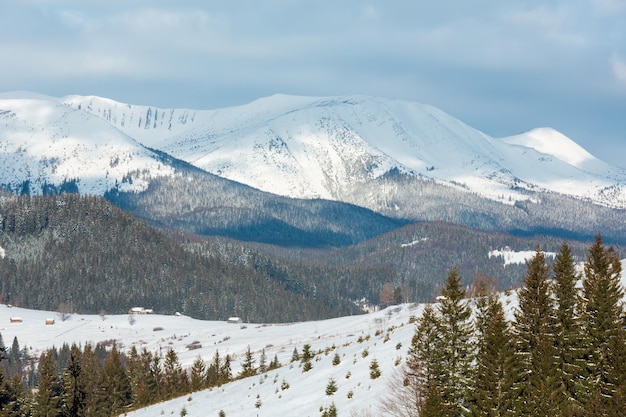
(47,147)
(310,147)
(45,144)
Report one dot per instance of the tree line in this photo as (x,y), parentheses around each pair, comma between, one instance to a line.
(562,351)
(102,381)
(88,255)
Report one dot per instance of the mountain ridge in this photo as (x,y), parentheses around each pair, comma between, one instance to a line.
(317,147)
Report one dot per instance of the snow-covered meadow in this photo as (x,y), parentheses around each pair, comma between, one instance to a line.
(383,335)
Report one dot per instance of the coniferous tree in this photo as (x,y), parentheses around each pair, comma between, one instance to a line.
(154,380)
(458,350)
(138,375)
(603,298)
(569,342)
(197,379)
(74,393)
(226,374)
(263,362)
(534,326)
(247,366)
(213,371)
(115,385)
(424,364)
(495,389)
(175,381)
(48,397)
(274,364)
(91,374)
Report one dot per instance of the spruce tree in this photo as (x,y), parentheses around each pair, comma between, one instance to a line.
(603,298)
(91,375)
(116,392)
(197,378)
(226,374)
(424,365)
(74,394)
(213,371)
(570,345)
(495,389)
(458,350)
(175,381)
(535,334)
(247,366)
(48,397)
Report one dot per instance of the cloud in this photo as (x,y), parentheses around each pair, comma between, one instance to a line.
(502,66)
(618,67)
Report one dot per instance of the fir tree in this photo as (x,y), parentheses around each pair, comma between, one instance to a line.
(116,392)
(495,390)
(274,364)
(374,369)
(458,350)
(603,295)
(225,371)
(91,375)
(535,333)
(48,396)
(175,381)
(331,387)
(263,362)
(424,365)
(74,393)
(570,345)
(197,379)
(213,371)
(247,366)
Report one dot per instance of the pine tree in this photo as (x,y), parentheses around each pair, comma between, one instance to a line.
(175,381)
(91,375)
(570,345)
(213,371)
(138,368)
(535,334)
(603,295)
(48,396)
(331,387)
(458,350)
(306,357)
(115,384)
(274,364)
(424,365)
(495,389)
(226,374)
(247,366)
(197,379)
(263,362)
(374,369)
(74,394)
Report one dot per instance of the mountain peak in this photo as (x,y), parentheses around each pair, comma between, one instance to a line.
(552,142)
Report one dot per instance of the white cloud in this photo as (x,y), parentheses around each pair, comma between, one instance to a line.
(618,67)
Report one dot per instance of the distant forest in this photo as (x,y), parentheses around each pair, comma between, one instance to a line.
(82,254)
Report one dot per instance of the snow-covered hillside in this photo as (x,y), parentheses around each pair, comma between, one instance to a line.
(322,146)
(384,336)
(43,141)
(303,147)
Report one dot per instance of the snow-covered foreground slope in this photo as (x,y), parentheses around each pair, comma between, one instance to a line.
(385,335)
(322,146)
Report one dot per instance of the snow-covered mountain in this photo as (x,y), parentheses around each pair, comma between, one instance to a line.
(45,143)
(310,147)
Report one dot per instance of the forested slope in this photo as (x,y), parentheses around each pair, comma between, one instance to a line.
(86,255)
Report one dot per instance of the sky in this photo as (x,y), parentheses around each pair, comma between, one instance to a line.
(501,67)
